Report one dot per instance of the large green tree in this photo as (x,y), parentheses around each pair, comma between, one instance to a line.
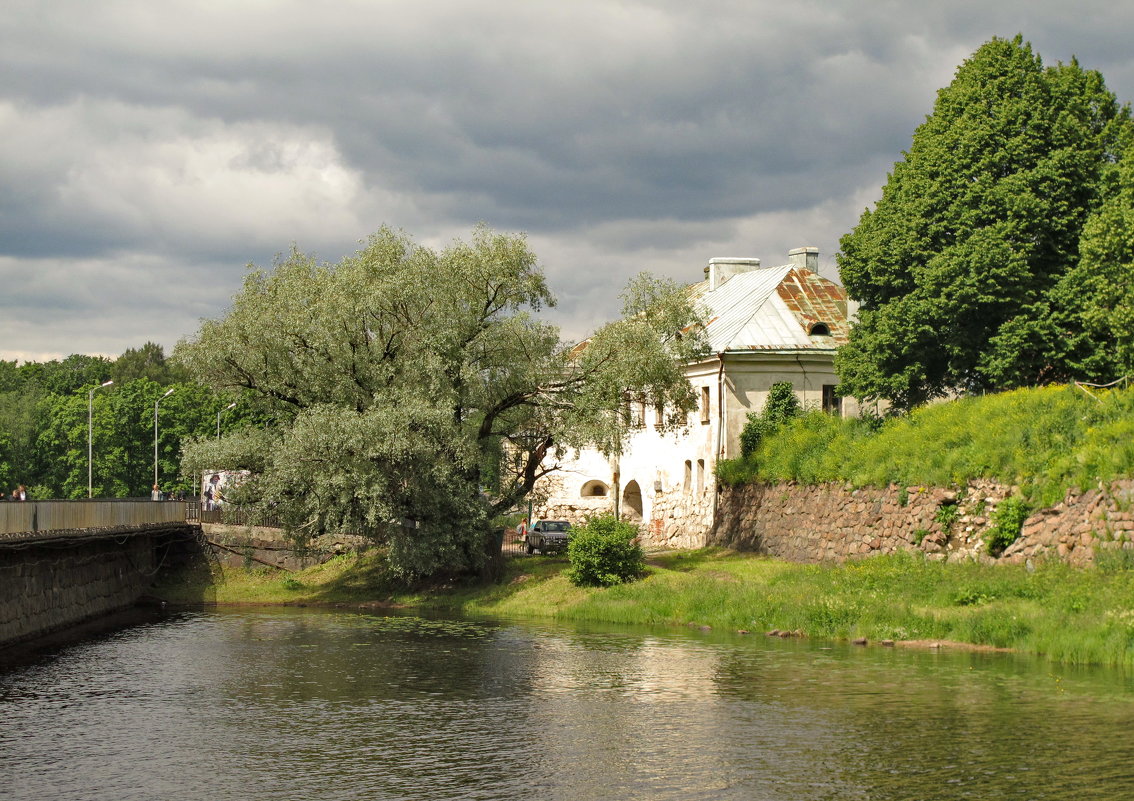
(415,393)
(958,266)
(1099,292)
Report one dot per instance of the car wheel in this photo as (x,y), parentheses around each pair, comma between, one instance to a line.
(528,547)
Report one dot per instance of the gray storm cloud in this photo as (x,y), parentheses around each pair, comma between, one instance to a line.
(152,150)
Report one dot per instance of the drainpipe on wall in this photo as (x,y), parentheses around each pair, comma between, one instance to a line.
(803,370)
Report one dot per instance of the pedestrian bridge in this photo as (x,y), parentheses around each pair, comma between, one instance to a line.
(65,562)
(25,521)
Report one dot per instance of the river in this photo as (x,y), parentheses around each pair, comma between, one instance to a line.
(315,704)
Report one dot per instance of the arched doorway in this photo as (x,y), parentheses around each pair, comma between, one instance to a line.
(632,503)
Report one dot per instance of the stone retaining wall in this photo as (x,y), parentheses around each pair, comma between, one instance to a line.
(47,587)
(835,523)
(246,546)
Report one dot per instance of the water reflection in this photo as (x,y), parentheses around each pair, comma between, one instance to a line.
(331,705)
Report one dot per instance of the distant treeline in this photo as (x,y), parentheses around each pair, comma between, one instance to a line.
(44,423)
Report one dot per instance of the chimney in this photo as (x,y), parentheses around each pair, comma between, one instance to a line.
(807,258)
(720,270)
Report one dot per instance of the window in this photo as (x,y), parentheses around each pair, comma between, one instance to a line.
(659,415)
(700,475)
(832,403)
(688,477)
(820,330)
(635,412)
(704,404)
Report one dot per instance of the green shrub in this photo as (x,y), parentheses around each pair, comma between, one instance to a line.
(946,515)
(1007,520)
(604,552)
(781,406)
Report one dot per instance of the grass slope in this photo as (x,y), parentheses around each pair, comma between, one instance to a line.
(1070,616)
(1046,440)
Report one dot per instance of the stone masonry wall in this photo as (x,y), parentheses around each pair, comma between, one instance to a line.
(678,520)
(243,546)
(835,523)
(48,587)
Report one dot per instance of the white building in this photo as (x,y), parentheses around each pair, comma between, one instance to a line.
(765,325)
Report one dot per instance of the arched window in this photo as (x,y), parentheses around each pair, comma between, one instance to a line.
(594,489)
(820,330)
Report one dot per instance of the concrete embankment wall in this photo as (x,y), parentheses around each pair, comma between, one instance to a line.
(834,523)
(51,585)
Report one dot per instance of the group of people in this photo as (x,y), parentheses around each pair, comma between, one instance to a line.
(20,493)
(159,495)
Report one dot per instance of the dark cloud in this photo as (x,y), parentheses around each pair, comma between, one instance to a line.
(621,135)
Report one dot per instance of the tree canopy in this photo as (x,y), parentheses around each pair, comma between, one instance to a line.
(961,267)
(415,395)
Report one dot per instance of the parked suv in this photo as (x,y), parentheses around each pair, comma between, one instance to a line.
(547,536)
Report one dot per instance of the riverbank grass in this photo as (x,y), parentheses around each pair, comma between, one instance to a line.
(1066,614)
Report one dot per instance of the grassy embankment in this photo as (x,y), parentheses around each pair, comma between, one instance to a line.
(1046,441)
(1068,615)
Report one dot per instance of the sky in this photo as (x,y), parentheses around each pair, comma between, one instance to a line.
(152,149)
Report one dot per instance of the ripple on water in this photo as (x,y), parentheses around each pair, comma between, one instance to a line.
(330,705)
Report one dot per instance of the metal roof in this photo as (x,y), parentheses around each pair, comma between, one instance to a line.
(773,308)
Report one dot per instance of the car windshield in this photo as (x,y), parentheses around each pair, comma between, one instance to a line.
(556,525)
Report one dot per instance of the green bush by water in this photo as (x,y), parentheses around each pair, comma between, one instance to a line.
(1046,440)
(604,552)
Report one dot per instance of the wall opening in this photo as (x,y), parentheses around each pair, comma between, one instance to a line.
(632,503)
(594,489)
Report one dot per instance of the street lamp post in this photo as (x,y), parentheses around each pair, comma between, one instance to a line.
(90,434)
(222,411)
(159,400)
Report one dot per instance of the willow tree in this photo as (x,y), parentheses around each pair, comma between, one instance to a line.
(416,395)
(958,267)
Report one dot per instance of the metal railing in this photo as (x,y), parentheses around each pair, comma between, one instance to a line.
(31,517)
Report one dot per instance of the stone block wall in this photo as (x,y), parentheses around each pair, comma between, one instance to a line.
(833,523)
(680,520)
(47,587)
(1080,527)
(245,546)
